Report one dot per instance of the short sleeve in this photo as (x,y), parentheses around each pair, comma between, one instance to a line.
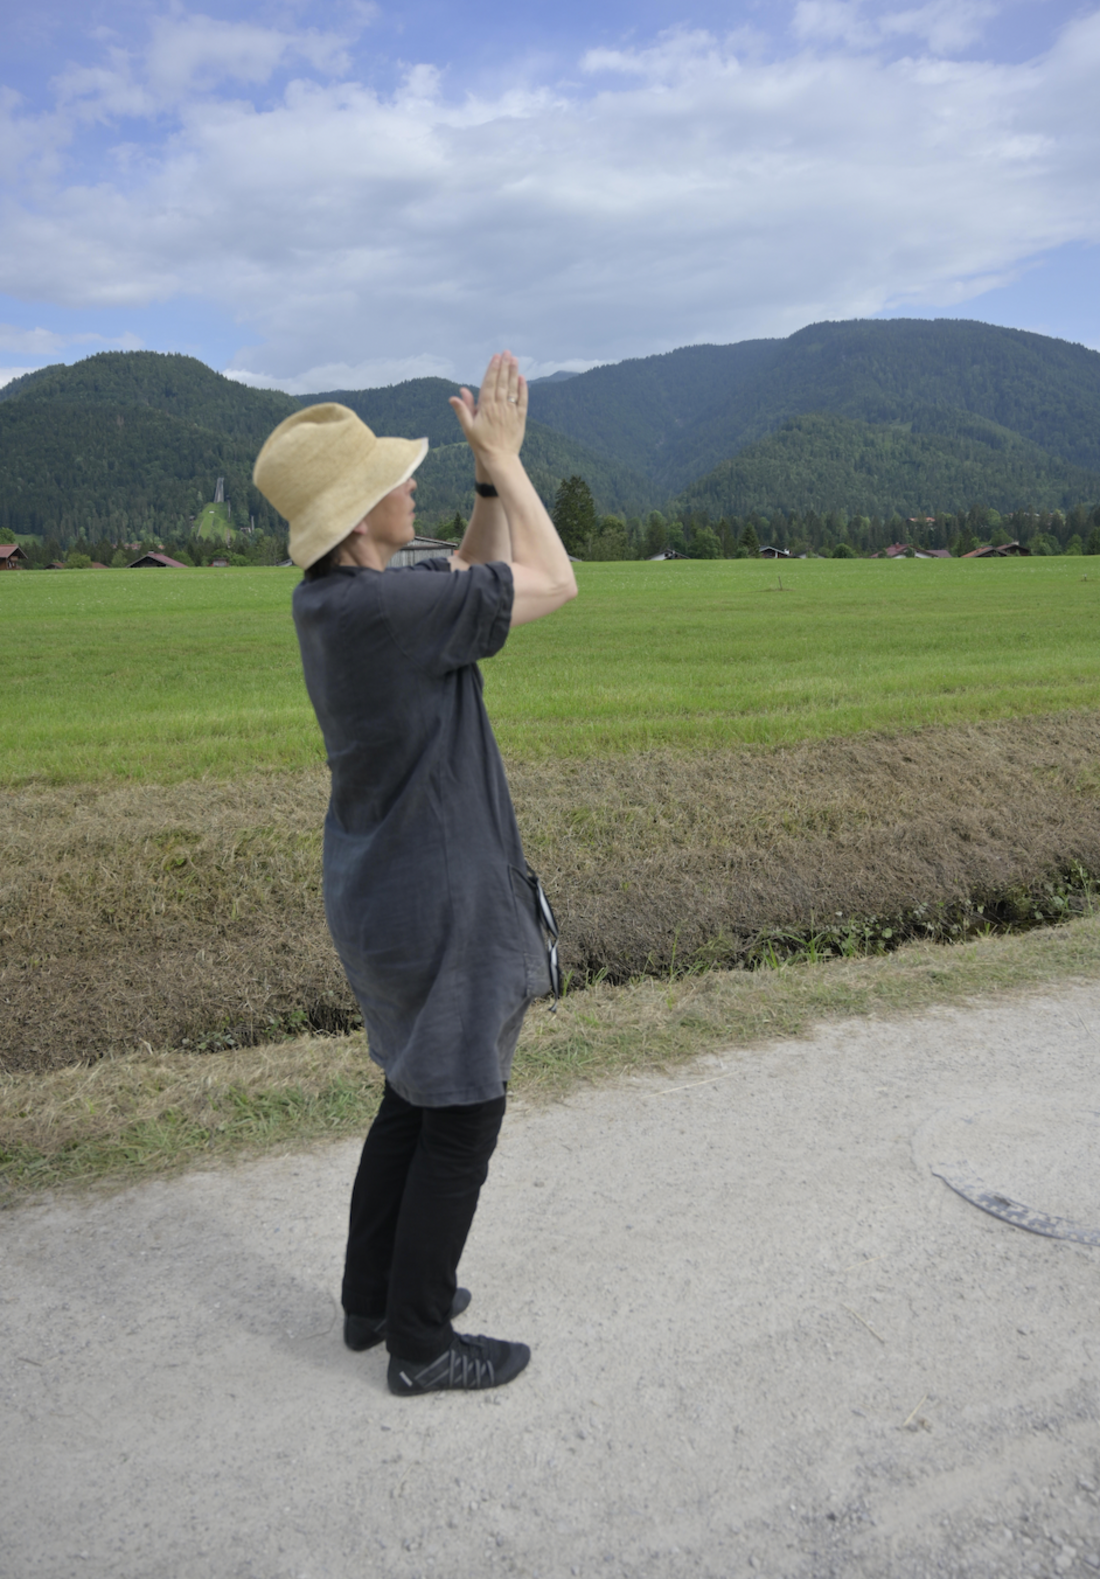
(449,619)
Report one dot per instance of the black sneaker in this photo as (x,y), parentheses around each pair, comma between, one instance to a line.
(365,1332)
(469,1363)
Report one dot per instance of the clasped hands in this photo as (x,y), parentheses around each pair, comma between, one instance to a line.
(494,424)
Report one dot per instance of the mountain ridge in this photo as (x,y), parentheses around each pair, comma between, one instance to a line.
(908,415)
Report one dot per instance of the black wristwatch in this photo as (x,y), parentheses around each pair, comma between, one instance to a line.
(486,490)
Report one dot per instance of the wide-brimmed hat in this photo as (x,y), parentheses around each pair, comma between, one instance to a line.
(325,470)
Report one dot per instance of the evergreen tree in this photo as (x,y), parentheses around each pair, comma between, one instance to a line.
(749,540)
(610,542)
(656,535)
(574,515)
(704,544)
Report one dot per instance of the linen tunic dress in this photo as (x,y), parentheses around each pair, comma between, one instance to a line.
(425,882)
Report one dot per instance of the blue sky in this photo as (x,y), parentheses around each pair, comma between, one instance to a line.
(314,197)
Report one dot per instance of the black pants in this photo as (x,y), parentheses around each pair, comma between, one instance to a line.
(412,1204)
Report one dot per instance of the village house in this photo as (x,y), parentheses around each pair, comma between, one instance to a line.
(10,555)
(159,560)
(902,550)
(422,548)
(1002,551)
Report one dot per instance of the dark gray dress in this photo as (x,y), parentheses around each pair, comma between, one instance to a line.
(424,875)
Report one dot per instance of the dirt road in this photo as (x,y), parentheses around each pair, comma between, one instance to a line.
(767,1339)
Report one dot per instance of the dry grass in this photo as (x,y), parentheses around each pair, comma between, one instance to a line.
(127,1117)
(145,917)
(659,857)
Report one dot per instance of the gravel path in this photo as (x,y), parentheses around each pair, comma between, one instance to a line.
(766,1339)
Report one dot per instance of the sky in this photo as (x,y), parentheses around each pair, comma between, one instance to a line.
(344,196)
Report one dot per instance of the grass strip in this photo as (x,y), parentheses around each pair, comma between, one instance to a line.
(124,1119)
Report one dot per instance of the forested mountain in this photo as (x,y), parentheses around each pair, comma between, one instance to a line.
(117,472)
(180,386)
(642,411)
(860,419)
(877,469)
(675,417)
(130,444)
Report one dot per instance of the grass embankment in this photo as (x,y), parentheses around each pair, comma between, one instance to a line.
(167,676)
(125,1118)
(191,915)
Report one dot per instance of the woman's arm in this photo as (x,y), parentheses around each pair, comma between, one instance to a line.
(487,537)
(515,527)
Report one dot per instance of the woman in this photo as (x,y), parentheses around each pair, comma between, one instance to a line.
(427,893)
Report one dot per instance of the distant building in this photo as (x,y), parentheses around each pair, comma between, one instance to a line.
(422,548)
(1002,551)
(666,553)
(768,552)
(160,561)
(10,555)
(219,564)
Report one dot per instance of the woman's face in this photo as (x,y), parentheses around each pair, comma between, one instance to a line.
(390,523)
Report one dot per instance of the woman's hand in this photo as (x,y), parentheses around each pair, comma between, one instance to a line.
(494,424)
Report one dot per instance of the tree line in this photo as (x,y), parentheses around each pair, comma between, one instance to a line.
(698,535)
(80,552)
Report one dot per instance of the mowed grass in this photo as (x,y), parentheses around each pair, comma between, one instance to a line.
(178,674)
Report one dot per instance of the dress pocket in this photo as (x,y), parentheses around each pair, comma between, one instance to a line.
(539,949)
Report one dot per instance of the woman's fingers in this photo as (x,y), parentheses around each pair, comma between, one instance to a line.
(490,384)
(501,381)
(512,367)
(462,405)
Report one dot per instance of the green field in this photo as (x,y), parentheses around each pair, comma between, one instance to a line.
(173,675)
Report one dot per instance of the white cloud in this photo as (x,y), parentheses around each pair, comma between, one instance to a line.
(344,375)
(944,26)
(681,193)
(189,55)
(30,342)
(48,342)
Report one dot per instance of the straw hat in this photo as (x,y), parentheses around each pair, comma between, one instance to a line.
(325,470)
